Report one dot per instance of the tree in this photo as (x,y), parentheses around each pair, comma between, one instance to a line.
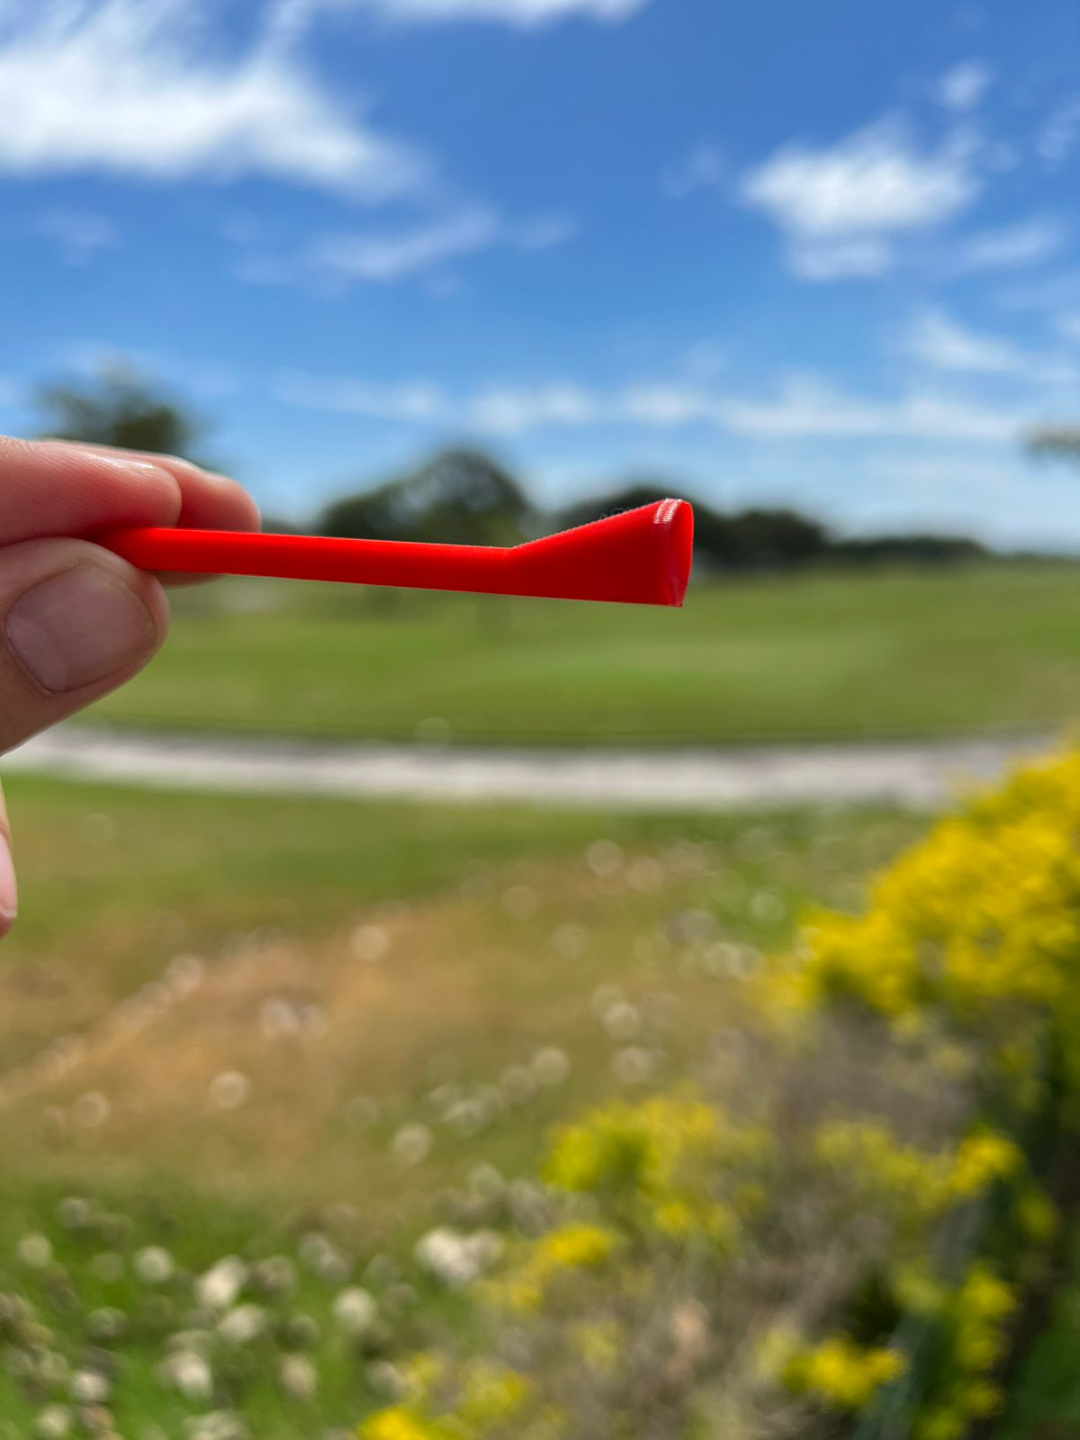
(1049,441)
(120,408)
(458,497)
(751,539)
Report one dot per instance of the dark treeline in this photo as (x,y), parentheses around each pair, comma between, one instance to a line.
(464,497)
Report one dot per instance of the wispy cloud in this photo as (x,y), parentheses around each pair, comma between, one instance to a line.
(136,88)
(1013,246)
(802,407)
(962,88)
(838,205)
(701,169)
(293,15)
(846,259)
(1060,133)
(939,342)
(936,340)
(389,256)
(79,234)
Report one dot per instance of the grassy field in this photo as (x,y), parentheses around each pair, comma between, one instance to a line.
(820,655)
(282,1019)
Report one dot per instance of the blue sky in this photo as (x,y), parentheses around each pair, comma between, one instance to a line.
(822,253)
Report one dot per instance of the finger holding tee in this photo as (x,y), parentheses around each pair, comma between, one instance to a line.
(75,620)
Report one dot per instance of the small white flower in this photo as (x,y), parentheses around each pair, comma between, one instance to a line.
(106,1323)
(551,1066)
(243,1324)
(633,1066)
(35,1251)
(218,1288)
(369,943)
(604,858)
(276,1275)
(54,1422)
(218,1425)
(89,1387)
(154,1265)
(74,1212)
(454,1259)
(189,1373)
(621,1021)
(92,1109)
(355,1310)
(411,1145)
(298,1377)
(386,1379)
(518,1084)
(322,1256)
(229,1090)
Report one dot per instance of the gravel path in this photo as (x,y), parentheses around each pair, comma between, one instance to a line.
(916,774)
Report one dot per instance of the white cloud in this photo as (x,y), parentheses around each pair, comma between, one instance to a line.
(386,257)
(133,87)
(803,407)
(80,234)
(1060,133)
(293,15)
(392,257)
(840,259)
(1069,325)
(873,184)
(963,87)
(702,169)
(943,344)
(806,407)
(412,401)
(1013,246)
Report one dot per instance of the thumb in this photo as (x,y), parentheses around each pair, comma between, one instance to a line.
(75,622)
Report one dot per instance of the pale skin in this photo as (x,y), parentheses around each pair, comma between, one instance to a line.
(76,621)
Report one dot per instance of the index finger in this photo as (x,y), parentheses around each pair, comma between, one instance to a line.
(208,501)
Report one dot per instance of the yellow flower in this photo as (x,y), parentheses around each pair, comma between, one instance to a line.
(843,1374)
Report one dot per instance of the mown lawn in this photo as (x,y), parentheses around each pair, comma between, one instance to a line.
(380,1004)
(820,655)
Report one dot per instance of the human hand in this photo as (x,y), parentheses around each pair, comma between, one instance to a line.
(76,621)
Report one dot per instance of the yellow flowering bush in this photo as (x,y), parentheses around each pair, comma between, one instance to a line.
(699,1274)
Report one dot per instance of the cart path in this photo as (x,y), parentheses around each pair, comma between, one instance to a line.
(914,773)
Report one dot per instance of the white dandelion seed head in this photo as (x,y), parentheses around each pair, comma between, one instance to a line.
(621,1021)
(369,943)
(411,1145)
(551,1066)
(243,1324)
(229,1090)
(35,1251)
(218,1288)
(154,1265)
(298,1377)
(355,1311)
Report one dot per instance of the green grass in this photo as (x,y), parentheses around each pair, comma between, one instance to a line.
(820,655)
(477,976)
(1044,1403)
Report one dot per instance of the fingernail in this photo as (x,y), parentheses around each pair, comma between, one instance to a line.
(78,627)
(9,890)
